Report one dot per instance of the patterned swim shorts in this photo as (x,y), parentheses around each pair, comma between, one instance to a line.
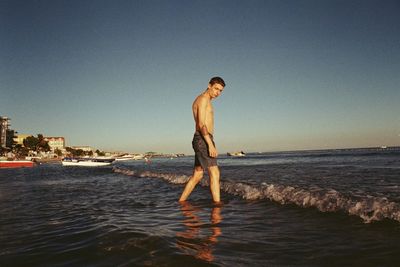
(202,158)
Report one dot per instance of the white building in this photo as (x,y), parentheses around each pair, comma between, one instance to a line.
(56,142)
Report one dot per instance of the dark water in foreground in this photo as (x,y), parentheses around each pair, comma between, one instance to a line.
(319,208)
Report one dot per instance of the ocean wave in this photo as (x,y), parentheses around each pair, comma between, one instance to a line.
(368,208)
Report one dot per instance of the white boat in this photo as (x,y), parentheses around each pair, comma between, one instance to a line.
(236,154)
(129,157)
(86,162)
(138,157)
(124,158)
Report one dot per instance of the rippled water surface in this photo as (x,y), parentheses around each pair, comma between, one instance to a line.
(320,208)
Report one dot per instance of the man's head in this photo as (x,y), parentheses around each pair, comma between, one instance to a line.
(216,86)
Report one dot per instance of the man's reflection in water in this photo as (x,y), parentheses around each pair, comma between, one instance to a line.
(199,237)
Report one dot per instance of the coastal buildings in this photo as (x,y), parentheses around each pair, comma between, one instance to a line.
(56,143)
(28,145)
(19,138)
(5,133)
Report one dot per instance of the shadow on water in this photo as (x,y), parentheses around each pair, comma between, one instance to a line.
(200,236)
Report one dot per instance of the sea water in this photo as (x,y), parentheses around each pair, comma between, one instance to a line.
(308,208)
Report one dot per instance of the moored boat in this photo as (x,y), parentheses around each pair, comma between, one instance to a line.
(86,162)
(16,164)
(129,157)
(124,157)
(236,154)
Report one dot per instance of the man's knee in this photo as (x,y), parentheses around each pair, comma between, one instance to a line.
(198,174)
(213,171)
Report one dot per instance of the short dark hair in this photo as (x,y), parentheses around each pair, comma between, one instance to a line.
(217,80)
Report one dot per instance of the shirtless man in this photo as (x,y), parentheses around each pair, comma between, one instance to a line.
(203,143)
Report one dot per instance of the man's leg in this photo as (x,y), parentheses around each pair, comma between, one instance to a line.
(193,181)
(213,172)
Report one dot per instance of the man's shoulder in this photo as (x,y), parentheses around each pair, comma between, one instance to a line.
(201,99)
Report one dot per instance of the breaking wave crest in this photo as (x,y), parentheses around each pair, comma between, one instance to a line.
(368,208)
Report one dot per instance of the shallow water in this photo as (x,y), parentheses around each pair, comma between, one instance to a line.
(319,208)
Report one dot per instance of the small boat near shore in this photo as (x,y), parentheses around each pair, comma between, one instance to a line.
(236,154)
(86,162)
(16,164)
(129,157)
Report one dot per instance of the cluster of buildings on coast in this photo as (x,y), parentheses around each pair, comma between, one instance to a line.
(10,138)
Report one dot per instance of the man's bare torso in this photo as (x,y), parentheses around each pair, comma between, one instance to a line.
(209,113)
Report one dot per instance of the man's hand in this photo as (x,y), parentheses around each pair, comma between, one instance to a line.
(212,151)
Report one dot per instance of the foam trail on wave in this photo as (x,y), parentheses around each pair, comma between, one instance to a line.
(171,178)
(367,208)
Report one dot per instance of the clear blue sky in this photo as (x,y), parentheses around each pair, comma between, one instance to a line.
(122,75)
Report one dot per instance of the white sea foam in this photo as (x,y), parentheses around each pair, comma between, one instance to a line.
(124,171)
(367,208)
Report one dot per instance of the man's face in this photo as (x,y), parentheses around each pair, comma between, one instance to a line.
(215,89)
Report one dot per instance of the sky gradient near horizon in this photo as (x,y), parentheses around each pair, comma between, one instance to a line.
(122,75)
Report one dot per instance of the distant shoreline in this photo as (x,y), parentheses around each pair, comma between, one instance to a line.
(388,148)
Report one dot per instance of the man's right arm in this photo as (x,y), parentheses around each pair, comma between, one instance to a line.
(201,117)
